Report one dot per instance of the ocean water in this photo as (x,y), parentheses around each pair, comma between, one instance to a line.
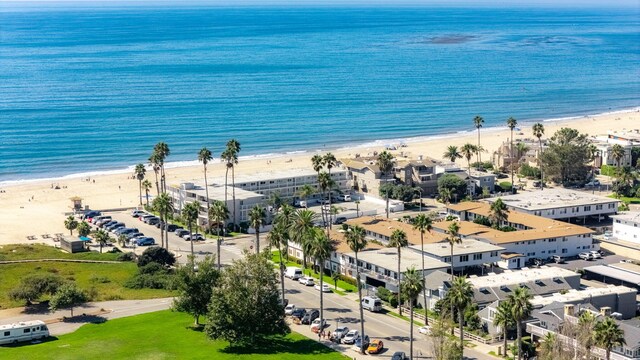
(93,89)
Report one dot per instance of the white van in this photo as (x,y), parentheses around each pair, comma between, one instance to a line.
(293,273)
(344,197)
(372,304)
(23,331)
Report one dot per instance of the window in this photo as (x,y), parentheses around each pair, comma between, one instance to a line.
(27,330)
(551,251)
(598,207)
(477,256)
(494,253)
(587,208)
(447,259)
(464,258)
(7,333)
(552,240)
(564,251)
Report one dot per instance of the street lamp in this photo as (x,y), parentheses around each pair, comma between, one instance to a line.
(419,190)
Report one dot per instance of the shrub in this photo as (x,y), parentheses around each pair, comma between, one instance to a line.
(128,256)
(152,268)
(608,170)
(529,171)
(151,281)
(482,220)
(505,186)
(348,280)
(114,250)
(33,286)
(156,254)
(99,279)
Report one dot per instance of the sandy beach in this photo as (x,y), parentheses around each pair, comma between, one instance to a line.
(37,208)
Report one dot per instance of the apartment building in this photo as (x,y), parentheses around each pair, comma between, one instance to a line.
(626,226)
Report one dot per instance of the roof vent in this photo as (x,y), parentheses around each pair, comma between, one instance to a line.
(504,287)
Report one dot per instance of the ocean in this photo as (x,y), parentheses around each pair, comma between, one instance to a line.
(93,89)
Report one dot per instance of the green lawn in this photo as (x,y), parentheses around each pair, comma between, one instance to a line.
(161,335)
(275,257)
(39,251)
(628,200)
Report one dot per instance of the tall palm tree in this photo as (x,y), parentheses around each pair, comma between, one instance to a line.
(617,153)
(498,213)
(204,156)
(468,150)
(504,319)
(102,237)
(155,161)
(461,295)
(146,185)
(278,237)
(398,240)
(511,123)
(326,184)
(357,241)
(70,223)
(423,224)
(452,153)
(162,150)
(453,238)
(521,307)
(317,162)
(164,206)
(233,146)
(385,162)
(608,335)
(190,214)
(329,161)
(593,154)
(321,249)
(477,122)
(139,172)
(445,194)
(257,218)
(585,332)
(305,191)
(218,214)
(302,230)
(538,131)
(412,285)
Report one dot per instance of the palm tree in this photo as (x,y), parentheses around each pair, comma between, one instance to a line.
(162,150)
(102,237)
(326,183)
(329,161)
(468,150)
(204,156)
(538,131)
(305,191)
(521,149)
(498,213)
(218,213)
(477,122)
(84,229)
(520,301)
(617,153)
(452,153)
(317,163)
(122,240)
(511,123)
(233,146)
(155,162)
(504,319)
(398,240)
(445,194)
(548,346)
(139,172)
(608,334)
(453,238)
(412,285)
(585,332)
(70,224)
(423,224)
(257,217)
(356,239)
(385,162)
(321,249)
(227,158)
(302,230)
(146,185)
(190,214)
(461,295)
(164,206)
(593,153)
(278,237)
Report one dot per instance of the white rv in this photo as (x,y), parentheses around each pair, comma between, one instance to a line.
(23,331)
(293,273)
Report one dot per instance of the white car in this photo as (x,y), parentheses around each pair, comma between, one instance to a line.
(288,310)
(585,256)
(595,254)
(307,281)
(425,330)
(325,287)
(351,337)
(339,333)
(315,325)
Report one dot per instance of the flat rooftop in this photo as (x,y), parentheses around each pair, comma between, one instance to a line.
(516,277)
(270,175)
(467,246)
(552,199)
(388,258)
(615,273)
(574,295)
(630,216)
(217,192)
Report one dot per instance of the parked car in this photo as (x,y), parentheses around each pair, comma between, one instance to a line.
(357,344)
(425,330)
(311,315)
(125,231)
(194,237)
(144,241)
(585,256)
(339,333)
(115,226)
(399,355)
(340,220)
(307,281)
(146,217)
(293,273)
(108,223)
(181,232)
(344,197)
(102,220)
(90,215)
(133,235)
(137,213)
(325,287)
(171,227)
(595,254)
(153,220)
(288,310)
(298,314)
(351,337)
(375,347)
(315,325)
(557,259)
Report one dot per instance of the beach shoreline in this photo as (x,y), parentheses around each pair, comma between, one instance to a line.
(36,207)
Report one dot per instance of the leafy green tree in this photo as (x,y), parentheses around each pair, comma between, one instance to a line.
(498,213)
(257,217)
(321,248)
(102,237)
(335,276)
(158,255)
(423,224)
(444,346)
(411,286)
(452,153)
(566,156)
(190,214)
(122,239)
(477,122)
(205,156)
(456,186)
(511,124)
(67,296)
(245,304)
(139,173)
(70,223)
(521,308)
(538,131)
(608,335)
(195,287)
(357,241)
(33,286)
(218,214)
(398,240)
(84,228)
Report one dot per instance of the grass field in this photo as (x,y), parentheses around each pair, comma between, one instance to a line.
(275,257)
(161,335)
(106,279)
(628,200)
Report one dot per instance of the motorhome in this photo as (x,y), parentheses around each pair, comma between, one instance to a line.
(293,273)
(23,331)
(372,304)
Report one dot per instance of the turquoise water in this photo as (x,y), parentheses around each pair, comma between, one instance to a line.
(85,90)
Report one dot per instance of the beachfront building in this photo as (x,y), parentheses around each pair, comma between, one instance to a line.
(420,173)
(365,175)
(626,226)
(479,179)
(562,204)
(604,144)
(527,153)
(535,237)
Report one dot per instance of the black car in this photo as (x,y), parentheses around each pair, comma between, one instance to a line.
(91,214)
(171,227)
(311,315)
(298,313)
(399,355)
(153,221)
(109,223)
(340,220)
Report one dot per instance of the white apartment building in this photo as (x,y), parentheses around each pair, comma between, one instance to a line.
(561,204)
(287,183)
(466,254)
(626,226)
(604,143)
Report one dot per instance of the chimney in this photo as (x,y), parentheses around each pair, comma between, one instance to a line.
(568,310)
(419,157)
(605,311)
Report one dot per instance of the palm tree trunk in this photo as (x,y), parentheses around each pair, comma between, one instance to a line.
(218,246)
(281,274)
(607,353)
(504,335)
(540,164)
(206,191)
(161,232)
(451,307)
(100,247)
(147,196)
(410,328)
(519,340)
(257,240)
(469,180)
(461,327)
(399,295)
(166,232)
(140,187)
(233,190)
(155,171)
(511,163)
(424,287)
(360,304)
(322,299)
(478,153)
(191,242)
(226,177)
(329,212)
